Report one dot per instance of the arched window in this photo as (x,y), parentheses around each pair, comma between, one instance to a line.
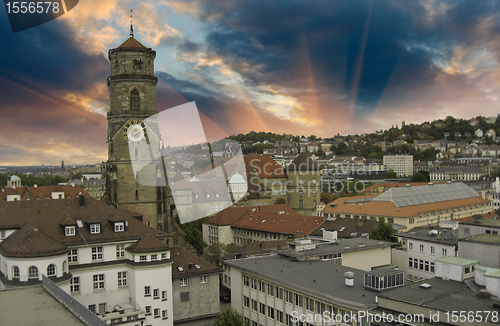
(15,271)
(51,270)
(65,267)
(135,103)
(32,272)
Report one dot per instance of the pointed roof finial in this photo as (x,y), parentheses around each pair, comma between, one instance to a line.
(131,25)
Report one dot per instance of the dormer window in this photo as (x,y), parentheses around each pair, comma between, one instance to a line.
(196,196)
(69,231)
(95,228)
(208,195)
(119,227)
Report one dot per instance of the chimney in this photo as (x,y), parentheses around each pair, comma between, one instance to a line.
(190,266)
(349,278)
(81,199)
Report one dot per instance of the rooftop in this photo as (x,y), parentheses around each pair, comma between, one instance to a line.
(190,264)
(457,261)
(34,306)
(321,279)
(484,238)
(443,236)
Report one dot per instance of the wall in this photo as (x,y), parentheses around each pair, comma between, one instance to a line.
(367,258)
(487,254)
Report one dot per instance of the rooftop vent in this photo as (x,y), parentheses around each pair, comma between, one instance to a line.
(408,186)
(483,294)
(425,286)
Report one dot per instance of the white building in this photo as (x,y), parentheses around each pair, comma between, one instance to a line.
(462,173)
(421,248)
(113,264)
(401,164)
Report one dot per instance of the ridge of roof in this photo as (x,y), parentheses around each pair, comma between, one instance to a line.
(148,243)
(131,42)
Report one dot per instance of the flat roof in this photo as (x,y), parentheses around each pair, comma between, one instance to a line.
(34,306)
(490,222)
(343,245)
(447,236)
(442,295)
(323,280)
(457,261)
(493,239)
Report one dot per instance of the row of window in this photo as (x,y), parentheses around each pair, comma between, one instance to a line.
(33,271)
(95,228)
(432,249)
(155,293)
(421,264)
(185,281)
(98,254)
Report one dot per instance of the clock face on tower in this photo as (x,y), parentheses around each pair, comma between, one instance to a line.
(135,132)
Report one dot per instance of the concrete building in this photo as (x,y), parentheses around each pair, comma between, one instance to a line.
(411,206)
(484,247)
(401,164)
(195,286)
(462,173)
(95,187)
(421,248)
(116,266)
(277,290)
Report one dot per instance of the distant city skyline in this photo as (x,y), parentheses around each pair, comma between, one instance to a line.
(297,67)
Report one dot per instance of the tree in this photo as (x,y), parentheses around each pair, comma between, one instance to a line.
(383,231)
(391,174)
(418,177)
(280,200)
(326,197)
(230,317)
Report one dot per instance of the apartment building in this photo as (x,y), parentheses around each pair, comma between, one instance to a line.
(463,173)
(110,262)
(401,164)
(41,192)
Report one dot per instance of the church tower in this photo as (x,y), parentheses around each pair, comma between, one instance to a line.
(132,94)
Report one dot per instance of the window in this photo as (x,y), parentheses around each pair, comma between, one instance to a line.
(309,304)
(51,270)
(432,267)
(299,300)
(98,281)
(102,308)
(184,281)
(119,227)
(204,279)
(148,310)
(147,291)
(301,193)
(279,316)
(445,252)
(163,256)
(262,287)
(426,266)
(156,293)
(120,251)
(15,271)
(288,296)
(421,248)
(154,257)
(301,203)
(410,262)
(73,256)
(270,312)
(95,228)
(245,280)
(135,102)
(97,253)
(33,272)
(68,231)
(157,313)
(410,245)
(254,305)
(122,279)
(92,308)
(279,293)
(164,314)
(270,289)
(74,285)
(433,250)
(262,308)
(254,283)
(142,257)
(246,301)
(163,295)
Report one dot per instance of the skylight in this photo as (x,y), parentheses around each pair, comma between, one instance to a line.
(197,266)
(180,269)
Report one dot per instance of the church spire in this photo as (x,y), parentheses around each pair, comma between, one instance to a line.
(131,25)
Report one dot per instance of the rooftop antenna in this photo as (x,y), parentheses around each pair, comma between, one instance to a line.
(131,25)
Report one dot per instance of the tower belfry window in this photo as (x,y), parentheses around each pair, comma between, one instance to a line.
(134,100)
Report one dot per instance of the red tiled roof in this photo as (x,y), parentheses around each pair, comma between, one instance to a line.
(231,214)
(351,226)
(188,261)
(131,42)
(256,248)
(41,192)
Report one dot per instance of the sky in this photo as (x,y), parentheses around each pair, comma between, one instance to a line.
(300,67)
